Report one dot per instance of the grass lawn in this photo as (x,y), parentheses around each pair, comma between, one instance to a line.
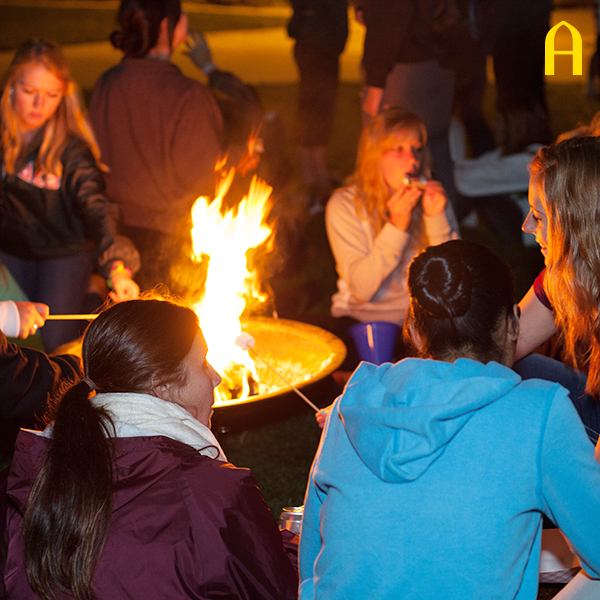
(78,25)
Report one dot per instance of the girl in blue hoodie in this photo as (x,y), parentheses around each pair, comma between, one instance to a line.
(433,473)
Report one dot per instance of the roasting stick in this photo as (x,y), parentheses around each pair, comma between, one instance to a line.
(246,342)
(71,317)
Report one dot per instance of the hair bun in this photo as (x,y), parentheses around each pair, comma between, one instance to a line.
(443,288)
(116,39)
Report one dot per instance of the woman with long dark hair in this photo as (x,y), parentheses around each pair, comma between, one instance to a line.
(127,494)
(433,473)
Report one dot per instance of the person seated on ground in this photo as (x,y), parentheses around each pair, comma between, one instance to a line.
(433,474)
(564,199)
(154,510)
(53,210)
(378,223)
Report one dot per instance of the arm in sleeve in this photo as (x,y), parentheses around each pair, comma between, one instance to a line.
(438,230)
(387,26)
(310,539)
(363,268)
(85,185)
(28,377)
(310,535)
(535,326)
(570,480)
(10,321)
(257,563)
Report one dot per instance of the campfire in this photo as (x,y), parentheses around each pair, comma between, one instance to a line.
(229,239)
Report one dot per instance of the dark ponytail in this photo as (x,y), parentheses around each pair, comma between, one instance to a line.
(129,348)
(460,293)
(67,519)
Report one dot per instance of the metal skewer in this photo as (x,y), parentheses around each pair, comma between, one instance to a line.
(71,317)
(246,342)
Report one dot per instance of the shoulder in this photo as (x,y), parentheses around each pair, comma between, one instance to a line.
(76,150)
(218,474)
(342,201)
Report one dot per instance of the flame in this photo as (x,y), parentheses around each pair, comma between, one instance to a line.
(226,237)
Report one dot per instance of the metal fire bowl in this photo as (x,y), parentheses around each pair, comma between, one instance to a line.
(302,353)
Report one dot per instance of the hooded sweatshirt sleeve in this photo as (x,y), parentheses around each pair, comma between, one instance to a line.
(310,537)
(570,481)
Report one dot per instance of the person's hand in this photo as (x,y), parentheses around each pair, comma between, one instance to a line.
(434,199)
(198,51)
(401,205)
(120,282)
(124,288)
(321,416)
(32,316)
(372,100)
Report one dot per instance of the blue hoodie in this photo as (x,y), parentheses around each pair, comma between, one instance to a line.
(431,479)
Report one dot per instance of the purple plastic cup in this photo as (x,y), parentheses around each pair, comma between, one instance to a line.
(375,340)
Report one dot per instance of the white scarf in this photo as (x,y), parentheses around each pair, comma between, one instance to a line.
(149,415)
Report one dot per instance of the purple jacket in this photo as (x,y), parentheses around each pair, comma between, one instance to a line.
(183,526)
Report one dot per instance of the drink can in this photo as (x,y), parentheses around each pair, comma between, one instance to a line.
(291,518)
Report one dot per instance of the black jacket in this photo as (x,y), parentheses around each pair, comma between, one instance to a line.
(398,31)
(322,22)
(29,377)
(44,217)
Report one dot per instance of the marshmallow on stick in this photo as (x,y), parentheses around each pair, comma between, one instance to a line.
(246,342)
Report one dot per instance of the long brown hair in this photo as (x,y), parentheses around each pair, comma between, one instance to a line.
(131,347)
(568,179)
(379,136)
(66,122)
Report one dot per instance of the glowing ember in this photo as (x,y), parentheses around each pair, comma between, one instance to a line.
(226,237)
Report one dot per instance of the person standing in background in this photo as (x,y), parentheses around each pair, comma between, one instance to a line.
(160,133)
(404,66)
(320,28)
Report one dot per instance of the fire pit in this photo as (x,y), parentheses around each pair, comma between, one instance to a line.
(302,353)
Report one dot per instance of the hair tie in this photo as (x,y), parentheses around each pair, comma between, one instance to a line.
(89,383)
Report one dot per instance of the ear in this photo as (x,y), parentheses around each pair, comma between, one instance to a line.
(411,335)
(164,391)
(164,27)
(513,323)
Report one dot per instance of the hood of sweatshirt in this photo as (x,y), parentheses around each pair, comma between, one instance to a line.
(400,417)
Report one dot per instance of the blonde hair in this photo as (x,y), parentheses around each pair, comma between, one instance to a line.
(568,179)
(377,138)
(66,122)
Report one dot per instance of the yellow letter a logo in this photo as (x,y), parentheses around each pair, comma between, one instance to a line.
(577,51)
